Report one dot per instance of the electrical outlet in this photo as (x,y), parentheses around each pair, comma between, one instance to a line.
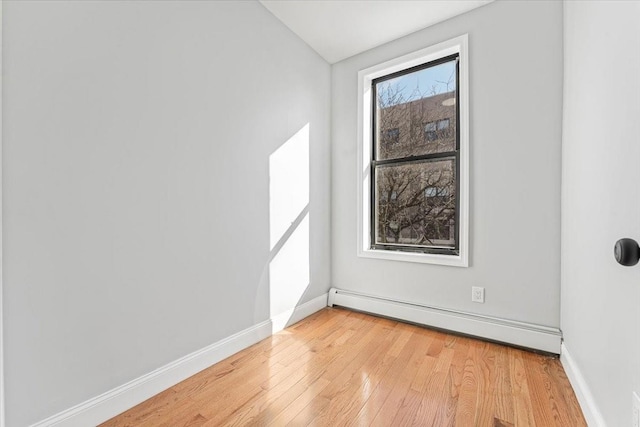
(636,410)
(477,295)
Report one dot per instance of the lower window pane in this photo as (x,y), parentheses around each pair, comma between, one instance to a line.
(415,204)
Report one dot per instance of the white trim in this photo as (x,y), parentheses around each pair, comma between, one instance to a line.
(289,317)
(2,393)
(101,408)
(585,398)
(457,45)
(522,334)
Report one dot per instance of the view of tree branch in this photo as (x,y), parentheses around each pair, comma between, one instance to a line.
(415,196)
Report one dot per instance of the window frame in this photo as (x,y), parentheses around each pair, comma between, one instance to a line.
(457,46)
(423,158)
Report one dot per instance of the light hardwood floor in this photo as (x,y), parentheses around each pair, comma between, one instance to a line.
(339,368)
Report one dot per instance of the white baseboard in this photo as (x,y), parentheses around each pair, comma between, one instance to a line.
(586,400)
(108,405)
(508,331)
(289,317)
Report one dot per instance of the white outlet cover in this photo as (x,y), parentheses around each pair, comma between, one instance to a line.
(477,294)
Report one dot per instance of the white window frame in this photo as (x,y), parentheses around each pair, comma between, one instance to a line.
(457,45)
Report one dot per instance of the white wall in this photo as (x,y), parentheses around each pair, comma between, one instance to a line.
(600,201)
(139,142)
(515,63)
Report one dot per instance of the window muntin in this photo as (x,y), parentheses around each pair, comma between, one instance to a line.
(421,102)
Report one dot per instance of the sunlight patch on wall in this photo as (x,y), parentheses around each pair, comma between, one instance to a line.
(289,272)
(288,183)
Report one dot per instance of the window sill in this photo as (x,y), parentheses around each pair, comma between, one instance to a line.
(449,260)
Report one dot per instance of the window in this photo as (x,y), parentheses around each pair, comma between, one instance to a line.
(391,136)
(424,179)
(430,131)
(439,129)
(436,192)
(413,191)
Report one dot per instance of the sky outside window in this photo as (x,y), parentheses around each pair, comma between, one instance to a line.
(421,84)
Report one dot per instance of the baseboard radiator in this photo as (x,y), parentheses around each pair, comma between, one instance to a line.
(520,334)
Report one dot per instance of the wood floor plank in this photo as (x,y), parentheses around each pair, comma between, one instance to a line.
(396,398)
(352,378)
(446,411)
(486,377)
(268,412)
(247,389)
(224,390)
(503,390)
(145,410)
(324,356)
(410,406)
(302,403)
(248,413)
(378,396)
(184,413)
(522,407)
(371,378)
(434,394)
(563,387)
(345,368)
(547,398)
(467,398)
(301,369)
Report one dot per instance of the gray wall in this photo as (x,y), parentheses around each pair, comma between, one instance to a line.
(600,201)
(138,138)
(515,57)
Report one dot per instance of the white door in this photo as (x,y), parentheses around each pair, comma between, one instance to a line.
(600,302)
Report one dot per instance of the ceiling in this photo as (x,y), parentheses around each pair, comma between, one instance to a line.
(338,29)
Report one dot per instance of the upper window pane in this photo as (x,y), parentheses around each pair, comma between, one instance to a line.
(419,109)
